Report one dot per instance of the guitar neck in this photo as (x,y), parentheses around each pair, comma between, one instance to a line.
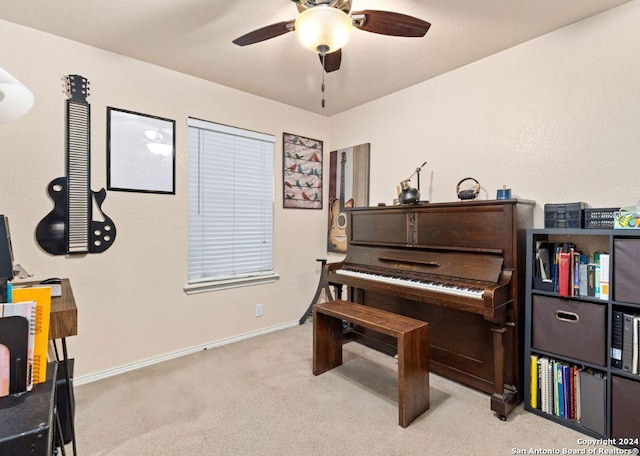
(78,185)
(342,163)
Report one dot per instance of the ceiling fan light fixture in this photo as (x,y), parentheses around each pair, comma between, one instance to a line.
(323,28)
(15,99)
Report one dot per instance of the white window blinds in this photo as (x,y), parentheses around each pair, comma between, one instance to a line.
(230,203)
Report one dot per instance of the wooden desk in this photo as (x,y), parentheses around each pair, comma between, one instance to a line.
(64,314)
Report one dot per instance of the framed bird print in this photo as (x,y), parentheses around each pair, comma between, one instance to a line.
(302,173)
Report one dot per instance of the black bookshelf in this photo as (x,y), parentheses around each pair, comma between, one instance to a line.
(620,399)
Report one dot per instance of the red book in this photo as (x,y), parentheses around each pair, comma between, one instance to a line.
(564,274)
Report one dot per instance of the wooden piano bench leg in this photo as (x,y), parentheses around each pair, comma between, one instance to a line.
(413,374)
(327,342)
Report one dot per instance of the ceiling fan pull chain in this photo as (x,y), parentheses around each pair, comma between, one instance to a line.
(323,88)
(323,59)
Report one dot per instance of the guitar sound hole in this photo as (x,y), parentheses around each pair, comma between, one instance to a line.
(341,221)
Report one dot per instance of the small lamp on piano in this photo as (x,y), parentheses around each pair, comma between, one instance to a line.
(15,99)
(408,194)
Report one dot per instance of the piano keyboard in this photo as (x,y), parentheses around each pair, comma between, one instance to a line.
(440,287)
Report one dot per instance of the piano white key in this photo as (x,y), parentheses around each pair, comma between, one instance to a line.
(441,287)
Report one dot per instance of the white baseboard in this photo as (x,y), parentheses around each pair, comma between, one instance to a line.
(77,381)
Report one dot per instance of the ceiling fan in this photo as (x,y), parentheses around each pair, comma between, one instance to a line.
(323,26)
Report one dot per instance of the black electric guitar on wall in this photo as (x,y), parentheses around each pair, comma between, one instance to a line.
(338,227)
(70,228)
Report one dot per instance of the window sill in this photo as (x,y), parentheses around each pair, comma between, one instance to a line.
(214,285)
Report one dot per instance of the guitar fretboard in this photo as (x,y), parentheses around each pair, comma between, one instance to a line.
(79,200)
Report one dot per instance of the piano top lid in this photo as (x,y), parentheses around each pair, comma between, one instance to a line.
(446,204)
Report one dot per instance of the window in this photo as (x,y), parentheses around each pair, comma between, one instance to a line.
(230,207)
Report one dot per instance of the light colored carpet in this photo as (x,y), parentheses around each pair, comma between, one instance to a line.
(259,397)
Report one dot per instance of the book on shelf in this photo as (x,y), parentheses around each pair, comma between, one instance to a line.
(636,340)
(591,279)
(575,267)
(566,385)
(576,375)
(42,297)
(616,339)
(551,389)
(5,370)
(583,276)
(543,266)
(533,382)
(554,268)
(572,391)
(26,310)
(627,342)
(560,402)
(544,384)
(604,276)
(564,273)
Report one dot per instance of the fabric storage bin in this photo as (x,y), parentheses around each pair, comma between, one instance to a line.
(593,399)
(625,403)
(570,328)
(626,264)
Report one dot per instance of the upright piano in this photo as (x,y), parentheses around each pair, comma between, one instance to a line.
(458,266)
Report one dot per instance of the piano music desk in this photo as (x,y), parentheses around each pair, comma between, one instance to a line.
(413,348)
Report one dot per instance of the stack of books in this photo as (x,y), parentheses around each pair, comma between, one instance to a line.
(568,391)
(24,338)
(572,273)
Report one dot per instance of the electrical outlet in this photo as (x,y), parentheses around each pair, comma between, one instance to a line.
(258,310)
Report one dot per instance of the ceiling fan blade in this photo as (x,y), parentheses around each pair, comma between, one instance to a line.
(332,61)
(265,33)
(388,23)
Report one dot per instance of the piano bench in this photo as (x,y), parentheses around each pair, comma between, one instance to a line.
(413,348)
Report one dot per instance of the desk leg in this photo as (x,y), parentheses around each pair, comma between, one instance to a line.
(65,357)
(59,438)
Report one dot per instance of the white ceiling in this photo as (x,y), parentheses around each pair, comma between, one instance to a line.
(194,37)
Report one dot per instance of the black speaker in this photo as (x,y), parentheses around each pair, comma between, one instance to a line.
(65,399)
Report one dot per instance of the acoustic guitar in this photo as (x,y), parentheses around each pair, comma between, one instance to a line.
(70,227)
(338,226)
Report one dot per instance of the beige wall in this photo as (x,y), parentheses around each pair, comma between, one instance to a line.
(130,298)
(557,119)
